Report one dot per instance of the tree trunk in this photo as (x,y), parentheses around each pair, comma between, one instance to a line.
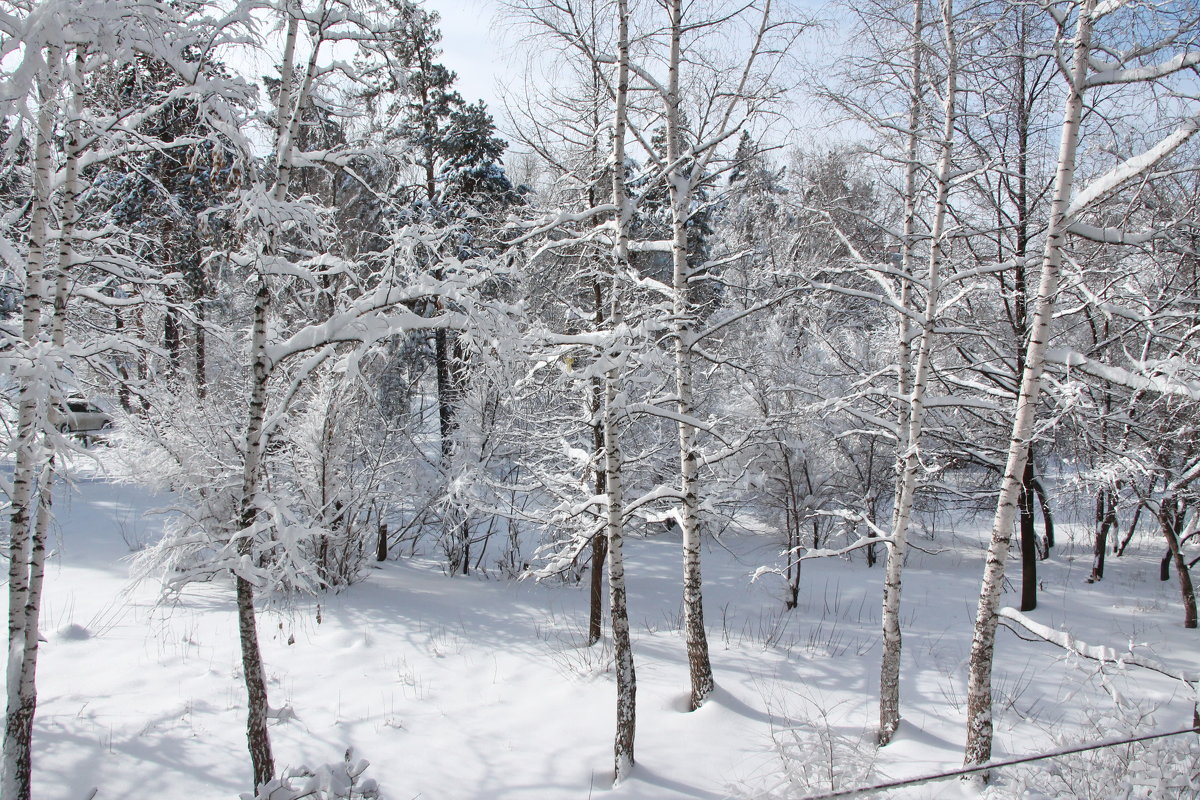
(682,327)
(599,539)
(1132,529)
(257,736)
(889,675)
(1171,517)
(979,682)
(1047,517)
(68,219)
(24,552)
(199,340)
(1029,542)
(172,336)
(1106,521)
(623,751)
(381,543)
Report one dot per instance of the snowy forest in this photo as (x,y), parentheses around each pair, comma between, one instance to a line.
(366,440)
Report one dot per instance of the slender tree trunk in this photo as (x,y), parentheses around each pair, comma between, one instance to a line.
(68,220)
(1029,543)
(1132,529)
(1047,516)
(979,684)
(381,542)
(1171,517)
(889,678)
(172,335)
(599,539)
(680,180)
(290,100)
(257,737)
(623,751)
(792,516)
(199,336)
(26,554)
(907,244)
(1106,521)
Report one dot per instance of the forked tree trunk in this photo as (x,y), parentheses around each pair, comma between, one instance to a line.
(889,676)
(26,554)
(1171,518)
(68,220)
(979,683)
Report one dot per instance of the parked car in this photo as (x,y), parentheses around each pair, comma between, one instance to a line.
(80,416)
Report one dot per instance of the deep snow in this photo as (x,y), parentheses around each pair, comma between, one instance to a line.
(480,688)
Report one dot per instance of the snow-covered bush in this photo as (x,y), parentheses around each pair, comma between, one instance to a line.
(1166,767)
(338,781)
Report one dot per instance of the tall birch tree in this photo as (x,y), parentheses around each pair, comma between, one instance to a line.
(911,420)
(1083,71)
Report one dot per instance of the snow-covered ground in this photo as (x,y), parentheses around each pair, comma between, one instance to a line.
(478,688)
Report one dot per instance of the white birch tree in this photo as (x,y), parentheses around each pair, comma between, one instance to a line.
(1084,71)
(911,420)
(54,52)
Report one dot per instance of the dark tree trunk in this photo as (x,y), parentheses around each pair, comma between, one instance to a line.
(381,544)
(173,341)
(1029,542)
(199,335)
(1106,522)
(450,364)
(123,394)
(1170,517)
(1137,515)
(1047,517)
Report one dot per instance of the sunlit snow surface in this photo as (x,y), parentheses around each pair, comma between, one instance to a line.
(480,688)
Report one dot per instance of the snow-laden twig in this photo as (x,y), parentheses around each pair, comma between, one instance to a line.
(1101,653)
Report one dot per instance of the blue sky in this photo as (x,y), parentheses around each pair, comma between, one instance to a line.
(473,45)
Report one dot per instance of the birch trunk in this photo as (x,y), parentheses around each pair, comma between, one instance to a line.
(623,757)
(979,682)
(69,217)
(623,754)
(287,120)
(257,736)
(889,674)
(600,539)
(905,336)
(680,182)
(24,556)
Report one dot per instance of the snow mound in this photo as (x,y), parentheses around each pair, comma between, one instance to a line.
(73,632)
